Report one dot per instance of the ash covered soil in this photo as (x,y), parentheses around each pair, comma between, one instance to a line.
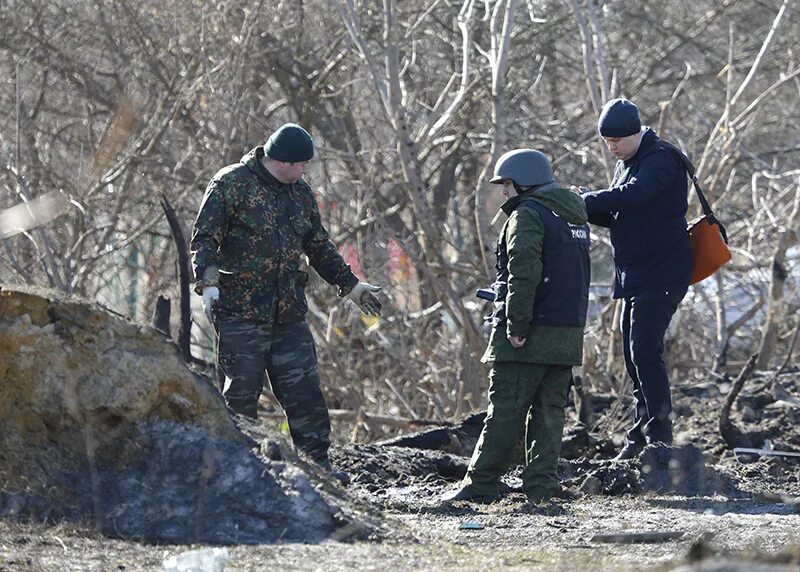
(695,506)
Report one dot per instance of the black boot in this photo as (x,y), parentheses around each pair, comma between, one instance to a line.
(464,494)
(629,451)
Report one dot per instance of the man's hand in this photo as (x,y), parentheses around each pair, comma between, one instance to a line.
(517,341)
(210,297)
(363,295)
(580,190)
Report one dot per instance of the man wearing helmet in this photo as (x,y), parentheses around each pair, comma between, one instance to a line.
(541,298)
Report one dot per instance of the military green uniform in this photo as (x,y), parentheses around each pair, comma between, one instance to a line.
(248,239)
(542,295)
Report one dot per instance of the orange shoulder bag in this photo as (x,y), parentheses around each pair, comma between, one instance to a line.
(707,236)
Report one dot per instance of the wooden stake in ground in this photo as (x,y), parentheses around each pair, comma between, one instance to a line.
(732,435)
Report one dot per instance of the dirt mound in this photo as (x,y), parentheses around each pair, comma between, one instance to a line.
(182,484)
(375,467)
(658,469)
(101,423)
(459,439)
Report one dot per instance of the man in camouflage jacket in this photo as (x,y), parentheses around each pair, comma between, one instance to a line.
(257,219)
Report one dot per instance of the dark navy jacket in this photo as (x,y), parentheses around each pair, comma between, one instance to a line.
(645,209)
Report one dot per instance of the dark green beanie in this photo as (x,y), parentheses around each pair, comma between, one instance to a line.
(290,144)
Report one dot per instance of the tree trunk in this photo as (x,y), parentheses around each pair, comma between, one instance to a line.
(769,331)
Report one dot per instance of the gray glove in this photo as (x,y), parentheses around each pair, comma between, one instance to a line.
(363,295)
(210,298)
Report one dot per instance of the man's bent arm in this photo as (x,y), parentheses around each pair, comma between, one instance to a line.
(657,174)
(324,258)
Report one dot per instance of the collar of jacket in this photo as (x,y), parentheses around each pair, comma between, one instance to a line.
(511,204)
(253,162)
(649,138)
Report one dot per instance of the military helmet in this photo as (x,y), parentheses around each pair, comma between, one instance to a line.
(526,167)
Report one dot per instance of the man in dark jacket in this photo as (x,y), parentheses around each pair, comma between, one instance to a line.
(541,298)
(645,210)
(257,219)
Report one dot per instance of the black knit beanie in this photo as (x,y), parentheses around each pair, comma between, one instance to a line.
(619,118)
(290,144)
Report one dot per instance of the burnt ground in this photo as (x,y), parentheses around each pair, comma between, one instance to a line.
(703,508)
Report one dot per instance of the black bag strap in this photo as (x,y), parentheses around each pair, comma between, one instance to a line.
(687,164)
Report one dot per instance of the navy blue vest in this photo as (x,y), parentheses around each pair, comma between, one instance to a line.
(563,292)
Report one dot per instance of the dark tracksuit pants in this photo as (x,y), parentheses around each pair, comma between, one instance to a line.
(527,397)
(645,318)
(288,355)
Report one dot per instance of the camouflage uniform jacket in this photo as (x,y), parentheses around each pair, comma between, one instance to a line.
(248,239)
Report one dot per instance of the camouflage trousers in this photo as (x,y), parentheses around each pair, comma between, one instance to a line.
(287,354)
(529,398)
